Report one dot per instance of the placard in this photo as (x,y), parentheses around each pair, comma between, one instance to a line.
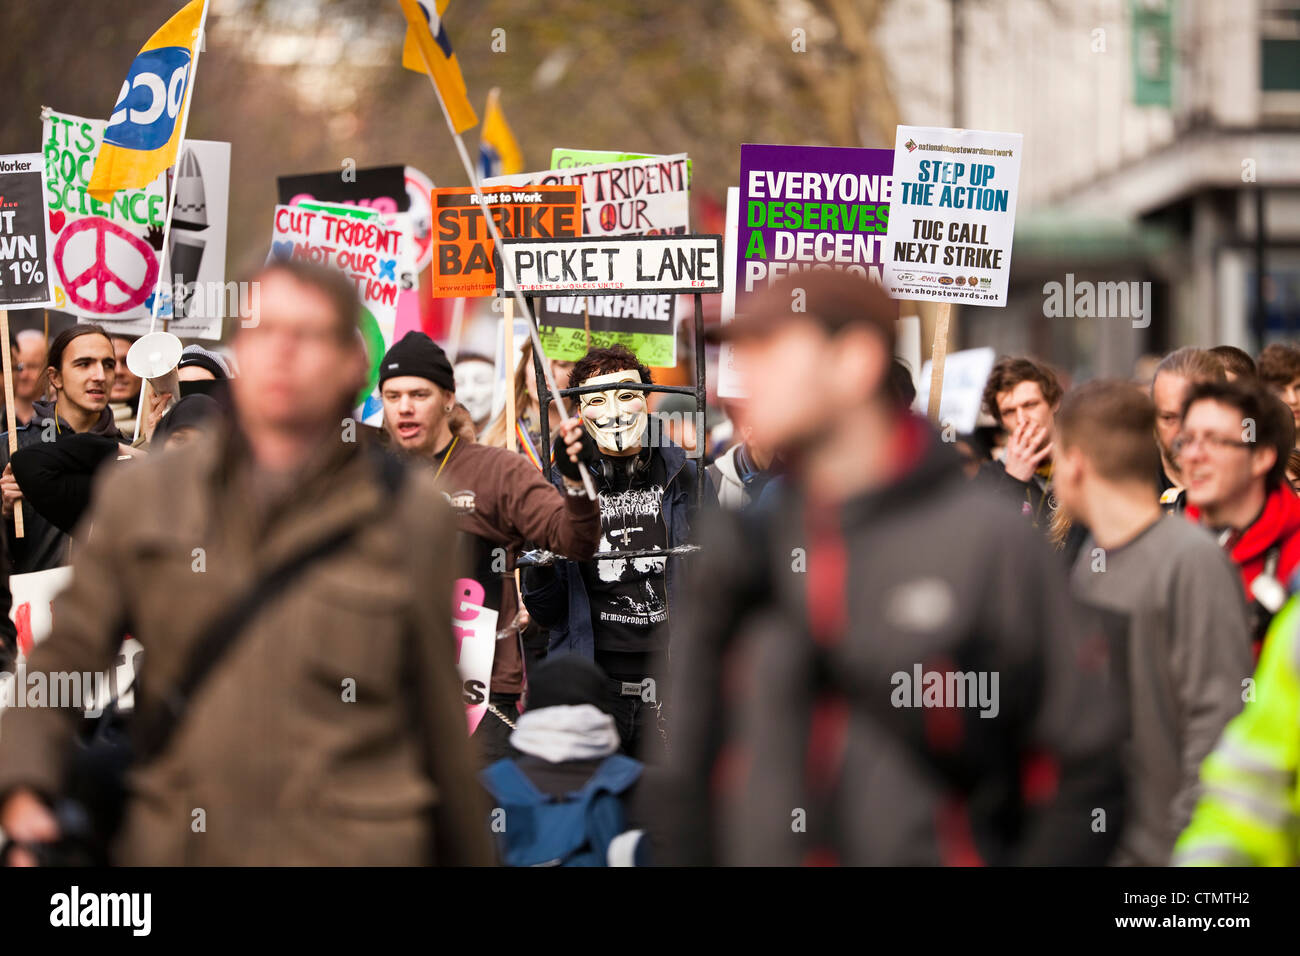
(953,215)
(628,264)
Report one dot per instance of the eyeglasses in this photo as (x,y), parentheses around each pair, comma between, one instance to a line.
(1183,443)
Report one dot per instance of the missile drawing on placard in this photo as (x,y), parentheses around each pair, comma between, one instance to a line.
(190,215)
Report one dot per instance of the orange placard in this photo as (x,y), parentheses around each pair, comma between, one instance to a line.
(464,262)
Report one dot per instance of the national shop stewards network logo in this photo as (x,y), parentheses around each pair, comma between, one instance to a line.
(911,145)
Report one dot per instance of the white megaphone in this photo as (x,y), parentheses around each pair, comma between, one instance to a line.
(154,357)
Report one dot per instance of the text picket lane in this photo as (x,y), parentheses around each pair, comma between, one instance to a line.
(666,264)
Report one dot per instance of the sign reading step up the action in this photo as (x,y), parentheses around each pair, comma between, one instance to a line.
(953,215)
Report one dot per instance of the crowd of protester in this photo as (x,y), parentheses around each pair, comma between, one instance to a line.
(818,630)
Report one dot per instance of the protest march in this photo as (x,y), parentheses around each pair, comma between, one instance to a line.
(789,437)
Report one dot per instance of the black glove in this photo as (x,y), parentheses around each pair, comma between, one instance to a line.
(568,468)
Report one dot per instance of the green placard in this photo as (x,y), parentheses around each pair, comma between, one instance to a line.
(564,158)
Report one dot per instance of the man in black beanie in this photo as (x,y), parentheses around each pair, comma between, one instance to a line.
(502,504)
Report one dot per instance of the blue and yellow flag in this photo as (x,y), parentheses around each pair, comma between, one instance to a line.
(498,150)
(144,133)
(428,50)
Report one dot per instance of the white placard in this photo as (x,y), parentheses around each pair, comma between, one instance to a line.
(729,384)
(643,264)
(965,374)
(953,215)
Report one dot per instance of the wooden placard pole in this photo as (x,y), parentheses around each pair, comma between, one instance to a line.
(938,354)
(11,414)
(509,359)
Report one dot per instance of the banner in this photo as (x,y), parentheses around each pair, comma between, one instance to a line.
(646,197)
(369,253)
(196,296)
(400,196)
(965,374)
(465,259)
(475,628)
(105,258)
(811,207)
(24,233)
(729,382)
(563,158)
(953,215)
(632,264)
(33,593)
(418,188)
(382,188)
(32,614)
(624,194)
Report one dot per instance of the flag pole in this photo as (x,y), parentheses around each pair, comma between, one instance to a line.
(11,413)
(457,327)
(165,255)
(520,302)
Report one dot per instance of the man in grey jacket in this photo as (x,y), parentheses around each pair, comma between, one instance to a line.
(1187,651)
(881,669)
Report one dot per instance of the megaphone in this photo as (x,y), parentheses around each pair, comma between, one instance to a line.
(154,357)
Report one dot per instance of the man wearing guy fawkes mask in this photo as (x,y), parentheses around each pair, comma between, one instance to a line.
(618,611)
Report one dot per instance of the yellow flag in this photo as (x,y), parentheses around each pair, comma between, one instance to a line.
(428,50)
(498,150)
(144,132)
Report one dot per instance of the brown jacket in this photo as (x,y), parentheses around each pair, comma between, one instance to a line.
(500,498)
(285,770)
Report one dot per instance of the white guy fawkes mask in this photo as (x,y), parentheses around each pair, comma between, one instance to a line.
(475,383)
(615,418)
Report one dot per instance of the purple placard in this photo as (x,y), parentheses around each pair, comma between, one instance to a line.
(830,205)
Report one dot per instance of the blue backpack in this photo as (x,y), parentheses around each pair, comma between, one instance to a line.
(572,829)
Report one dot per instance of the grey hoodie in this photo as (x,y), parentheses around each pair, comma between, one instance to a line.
(1186,655)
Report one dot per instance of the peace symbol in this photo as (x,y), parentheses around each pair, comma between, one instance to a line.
(99,273)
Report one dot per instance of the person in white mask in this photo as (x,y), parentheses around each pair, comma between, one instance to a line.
(475,384)
(616,610)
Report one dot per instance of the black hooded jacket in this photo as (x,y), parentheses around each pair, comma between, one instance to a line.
(805,632)
(43,544)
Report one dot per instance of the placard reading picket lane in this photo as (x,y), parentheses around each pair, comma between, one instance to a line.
(952,215)
(643,264)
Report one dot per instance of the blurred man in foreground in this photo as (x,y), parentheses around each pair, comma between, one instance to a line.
(883,669)
(328,728)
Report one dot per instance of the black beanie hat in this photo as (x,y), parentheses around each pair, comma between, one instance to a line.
(417,354)
(569,679)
